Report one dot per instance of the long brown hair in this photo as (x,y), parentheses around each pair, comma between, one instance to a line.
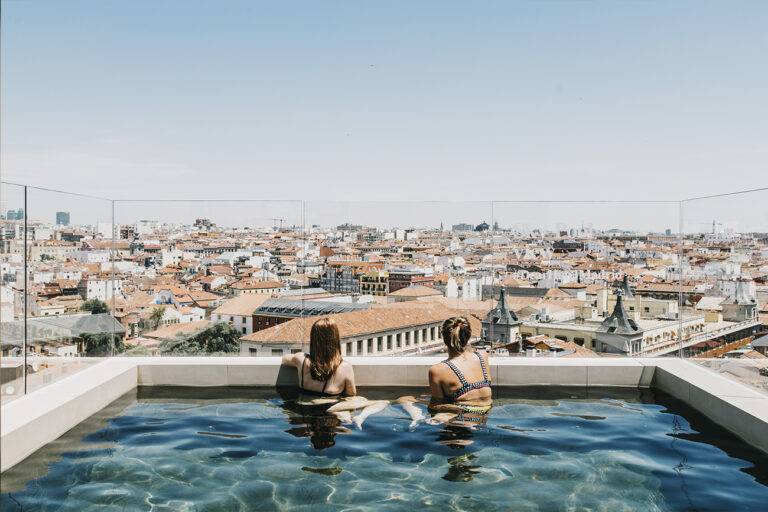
(324,349)
(456,333)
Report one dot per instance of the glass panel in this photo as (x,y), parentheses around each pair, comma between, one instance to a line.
(581,277)
(725,283)
(69,324)
(199,273)
(12,291)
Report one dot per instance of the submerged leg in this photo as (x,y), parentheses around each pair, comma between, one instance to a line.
(368,411)
(408,404)
(345,417)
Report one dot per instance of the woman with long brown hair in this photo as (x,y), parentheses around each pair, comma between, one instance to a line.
(323,371)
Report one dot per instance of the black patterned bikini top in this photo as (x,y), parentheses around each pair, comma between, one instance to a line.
(466,387)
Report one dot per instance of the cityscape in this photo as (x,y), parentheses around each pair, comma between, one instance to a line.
(173,289)
(335,256)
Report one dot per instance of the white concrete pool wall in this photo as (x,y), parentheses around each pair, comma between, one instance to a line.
(30,422)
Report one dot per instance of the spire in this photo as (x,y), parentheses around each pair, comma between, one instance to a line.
(625,289)
(619,322)
(501,315)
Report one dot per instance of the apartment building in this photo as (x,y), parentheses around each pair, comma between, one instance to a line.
(375,282)
(239,311)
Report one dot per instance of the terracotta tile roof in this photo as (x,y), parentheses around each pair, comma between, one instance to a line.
(242,305)
(357,323)
(416,291)
(258,285)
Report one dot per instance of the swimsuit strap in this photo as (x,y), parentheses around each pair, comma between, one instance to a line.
(457,372)
(325,384)
(466,386)
(482,366)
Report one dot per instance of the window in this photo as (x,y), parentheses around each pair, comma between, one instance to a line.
(408,339)
(359,347)
(277,352)
(370,345)
(243,330)
(647,310)
(295,350)
(231,319)
(253,352)
(399,339)
(389,342)
(579,341)
(379,344)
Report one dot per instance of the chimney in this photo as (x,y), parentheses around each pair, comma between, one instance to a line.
(602,301)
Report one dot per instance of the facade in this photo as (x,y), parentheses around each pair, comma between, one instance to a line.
(101,288)
(239,311)
(404,278)
(741,306)
(375,282)
(258,287)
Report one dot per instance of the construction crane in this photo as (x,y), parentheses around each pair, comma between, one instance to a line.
(274,222)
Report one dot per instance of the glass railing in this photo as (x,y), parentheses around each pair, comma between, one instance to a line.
(103,277)
(725,282)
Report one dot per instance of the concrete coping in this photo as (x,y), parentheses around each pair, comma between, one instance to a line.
(30,422)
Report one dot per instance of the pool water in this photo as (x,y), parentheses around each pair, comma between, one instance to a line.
(547,449)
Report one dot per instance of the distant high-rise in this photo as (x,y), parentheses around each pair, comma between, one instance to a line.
(15,214)
(668,232)
(462,227)
(62,218)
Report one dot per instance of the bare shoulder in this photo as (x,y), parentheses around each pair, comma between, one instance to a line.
(345,367)
(435,370)
(293,359)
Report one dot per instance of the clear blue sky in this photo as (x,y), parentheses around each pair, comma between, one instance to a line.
(386,100)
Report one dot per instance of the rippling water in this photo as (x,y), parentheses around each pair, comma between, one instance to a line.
(252,449)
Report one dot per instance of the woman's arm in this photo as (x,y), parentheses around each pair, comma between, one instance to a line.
(294,360)
(349,384)
(434,384)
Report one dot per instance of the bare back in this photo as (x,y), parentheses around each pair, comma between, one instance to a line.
(461,378)
(341,382)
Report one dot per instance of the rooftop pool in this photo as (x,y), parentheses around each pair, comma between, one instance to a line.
(538,449)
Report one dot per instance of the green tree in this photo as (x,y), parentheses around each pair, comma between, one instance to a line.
(156,317)
(220,338)
(46,257)
(95,306)
(99,343)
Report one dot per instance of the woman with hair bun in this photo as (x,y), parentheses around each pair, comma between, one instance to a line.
(464,376)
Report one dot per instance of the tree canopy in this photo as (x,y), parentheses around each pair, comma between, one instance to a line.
(99,343)
(95,306)
(219,338)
